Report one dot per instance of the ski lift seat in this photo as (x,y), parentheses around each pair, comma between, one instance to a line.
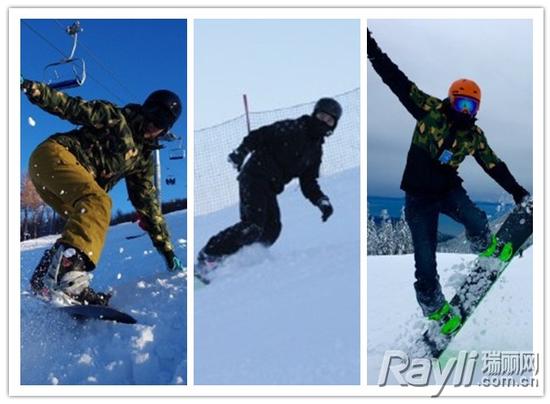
(70,72)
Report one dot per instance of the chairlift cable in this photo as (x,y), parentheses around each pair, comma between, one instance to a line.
(44,38)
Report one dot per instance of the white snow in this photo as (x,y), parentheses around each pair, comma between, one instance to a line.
(288,314)
(85,359)
(56,349)
(502,321)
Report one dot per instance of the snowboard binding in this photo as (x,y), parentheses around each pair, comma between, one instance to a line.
(448,319)
(62,277)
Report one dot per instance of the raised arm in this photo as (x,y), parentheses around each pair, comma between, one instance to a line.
(97,114)
(413,99)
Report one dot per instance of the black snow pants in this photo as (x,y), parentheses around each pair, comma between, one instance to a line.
(422,214)
(260,219)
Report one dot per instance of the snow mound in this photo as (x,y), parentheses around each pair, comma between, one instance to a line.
(288,314)
(503,320)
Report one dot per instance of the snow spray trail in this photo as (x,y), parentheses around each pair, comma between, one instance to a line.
(503,321)
(290,314)
(56,349)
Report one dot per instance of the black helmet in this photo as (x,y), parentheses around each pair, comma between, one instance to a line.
(328,106)
(162,108)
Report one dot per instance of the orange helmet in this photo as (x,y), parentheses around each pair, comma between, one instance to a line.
(465,88)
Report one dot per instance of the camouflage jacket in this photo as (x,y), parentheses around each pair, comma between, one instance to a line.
(109,143)
(434,126)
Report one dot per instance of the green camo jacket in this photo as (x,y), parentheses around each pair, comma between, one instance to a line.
(109,142)
(433,127)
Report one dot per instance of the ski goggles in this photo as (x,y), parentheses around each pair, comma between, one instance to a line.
(465,104)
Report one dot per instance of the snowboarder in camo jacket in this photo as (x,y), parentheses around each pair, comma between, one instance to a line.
(278,153)
(445,133)
(73,172)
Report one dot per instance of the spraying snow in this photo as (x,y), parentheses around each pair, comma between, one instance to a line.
(290,314)
(56,349)
(503,321)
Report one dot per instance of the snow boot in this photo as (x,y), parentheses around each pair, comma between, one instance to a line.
(206,263)
(63,277)
(448,318)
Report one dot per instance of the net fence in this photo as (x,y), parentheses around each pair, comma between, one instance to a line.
(215,179)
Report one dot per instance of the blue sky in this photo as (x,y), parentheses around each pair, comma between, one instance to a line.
(126,60)
(497,54)
(277,63)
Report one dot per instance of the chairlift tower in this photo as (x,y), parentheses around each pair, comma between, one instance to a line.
(158,181)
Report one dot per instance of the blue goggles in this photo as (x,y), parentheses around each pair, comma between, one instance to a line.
(466,105)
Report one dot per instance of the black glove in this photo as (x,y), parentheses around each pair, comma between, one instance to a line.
(26,85)
(519,195)
(236,158)
(325,207)
(372,47)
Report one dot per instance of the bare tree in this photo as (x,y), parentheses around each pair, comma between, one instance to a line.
(32,209)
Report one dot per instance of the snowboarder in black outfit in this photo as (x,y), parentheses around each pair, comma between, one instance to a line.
(445,133)
(278,153)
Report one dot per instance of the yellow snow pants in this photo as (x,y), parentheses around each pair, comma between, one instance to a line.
(71,190)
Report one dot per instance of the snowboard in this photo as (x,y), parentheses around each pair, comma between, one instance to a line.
(201,280)
(97,312)
(490,264)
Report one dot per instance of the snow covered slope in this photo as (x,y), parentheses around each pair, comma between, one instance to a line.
(56,349)
(503,321)
(290,314)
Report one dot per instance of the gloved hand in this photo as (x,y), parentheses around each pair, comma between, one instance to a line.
(325,207)
(519,195)
(173,263)
(236,158)
(25,85)
(372,46)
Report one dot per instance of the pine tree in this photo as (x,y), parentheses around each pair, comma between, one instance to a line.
(403,235)
(372,236)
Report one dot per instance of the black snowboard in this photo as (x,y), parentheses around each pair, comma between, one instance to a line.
(96,312)
(202,280)
(515,230)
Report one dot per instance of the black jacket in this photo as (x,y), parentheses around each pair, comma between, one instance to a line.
(283,151)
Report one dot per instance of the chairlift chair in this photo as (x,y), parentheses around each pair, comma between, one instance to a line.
(178,153)
(69,72)
(170,180)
